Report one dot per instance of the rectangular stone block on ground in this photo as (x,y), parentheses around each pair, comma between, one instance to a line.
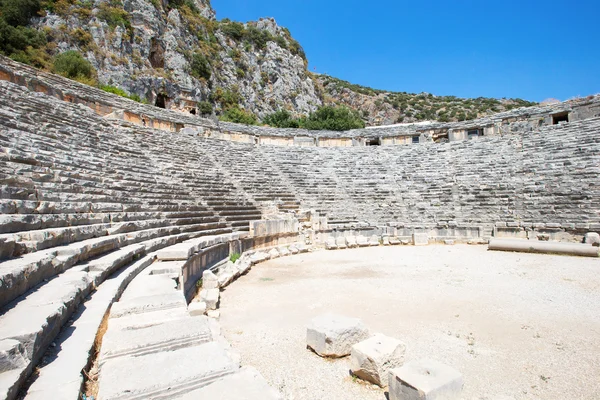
(333,335)
(425,380)
(420,239)
(371,359)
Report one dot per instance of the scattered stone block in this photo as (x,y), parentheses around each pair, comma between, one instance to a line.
(405,242)
(351,242)
(374,241)
(197,308)
(362,241)
(333,335)
(209,280)
(294,249)
(273,253)
(331,245)
(302,248)
(386,240)
(243,266)
(424,380)
(372,359)
(210,297)
(258,257)
(592,238)
(420,239)
(214,314)
(341,243)
(449,242)
(394,241)
(283,252)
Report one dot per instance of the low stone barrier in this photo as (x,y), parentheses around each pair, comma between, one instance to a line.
(535,246)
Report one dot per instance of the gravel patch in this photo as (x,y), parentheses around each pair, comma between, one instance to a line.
(518,326)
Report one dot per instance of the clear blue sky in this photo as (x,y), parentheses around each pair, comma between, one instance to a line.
(530,49)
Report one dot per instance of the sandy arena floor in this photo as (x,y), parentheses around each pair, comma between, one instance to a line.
(518,326)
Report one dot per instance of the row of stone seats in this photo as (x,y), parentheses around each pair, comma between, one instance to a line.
(82,200)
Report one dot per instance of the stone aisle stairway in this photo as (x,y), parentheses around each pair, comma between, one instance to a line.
(166,353)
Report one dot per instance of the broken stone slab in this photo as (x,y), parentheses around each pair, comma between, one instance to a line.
(247,384)
(243,266)
(209,280)
(449,242)
(284,251)
(225,278)
(592,238)
(214,314)
(394,241)
(333,335)
(420,239)
(12,355)
(405,242)
(386,240)
(197,308)
(424,380)
(145,304)
(210,297)
(371,359)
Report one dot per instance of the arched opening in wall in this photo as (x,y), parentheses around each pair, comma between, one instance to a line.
(193,111)
(161,100)
(560,118)
(157,54)
(373,142)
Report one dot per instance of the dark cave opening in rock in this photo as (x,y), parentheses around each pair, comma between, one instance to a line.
(161,100)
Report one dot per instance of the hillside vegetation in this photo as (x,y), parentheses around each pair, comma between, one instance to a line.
(250,73)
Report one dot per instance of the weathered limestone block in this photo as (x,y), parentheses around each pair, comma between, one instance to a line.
(258,257)
(362,241)
(394,241)
(351,242)
(592,238)
(243,266)
(420,239)
(284,251)
(341,243)
(371,359)
(247,384)
(197,308)
(273,253)
(12,355)
(424,380)
(209,280)
(449,242)
(374,240)
(210,297)
(293,249)
(333,335)
(386,240)
(331,244)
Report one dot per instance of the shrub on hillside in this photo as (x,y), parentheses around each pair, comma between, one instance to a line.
(205,108)
(281,119)
(72,65)
(200,66)
(236,114)
(122,93)
(334,119)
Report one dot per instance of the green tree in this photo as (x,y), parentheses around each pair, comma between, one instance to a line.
(200,66)
(236,114)
(281,119)
(334,119)
(72,65)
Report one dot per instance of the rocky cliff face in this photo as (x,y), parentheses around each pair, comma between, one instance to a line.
(175,53)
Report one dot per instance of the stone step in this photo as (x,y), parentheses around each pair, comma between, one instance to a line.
(61,375)
(246,384)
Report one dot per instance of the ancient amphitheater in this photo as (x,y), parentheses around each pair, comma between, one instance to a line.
(118,223)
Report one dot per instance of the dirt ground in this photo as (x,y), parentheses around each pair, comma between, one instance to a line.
(518,326)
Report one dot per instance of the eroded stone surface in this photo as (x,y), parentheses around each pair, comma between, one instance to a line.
(333,335)
(425,380)
(371,359)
